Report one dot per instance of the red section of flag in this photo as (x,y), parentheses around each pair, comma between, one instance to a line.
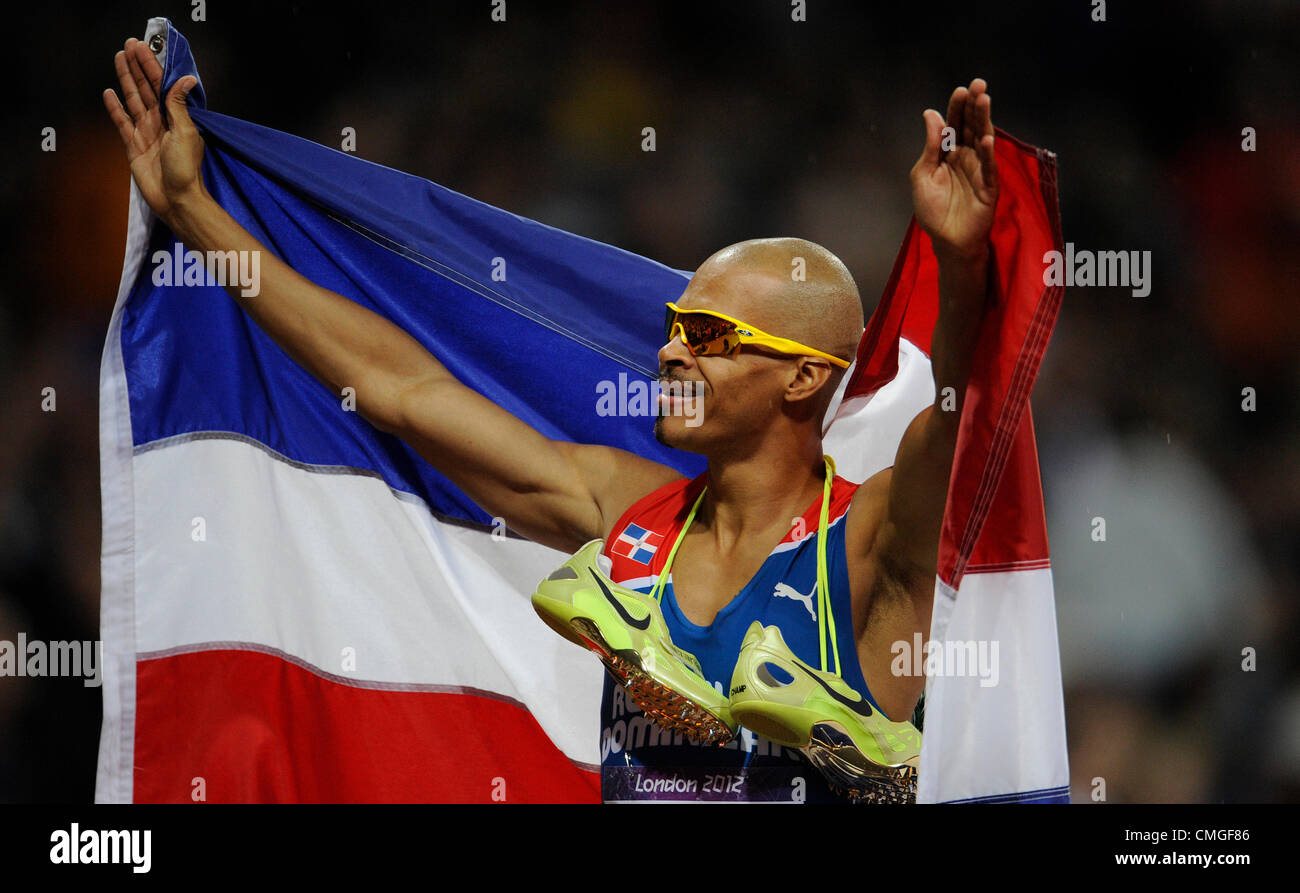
(257,728)
(995,480)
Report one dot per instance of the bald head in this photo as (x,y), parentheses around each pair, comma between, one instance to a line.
(789,287)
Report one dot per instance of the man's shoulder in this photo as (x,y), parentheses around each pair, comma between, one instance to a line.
(655,496)
(643,533)
(867,511)
(618,479)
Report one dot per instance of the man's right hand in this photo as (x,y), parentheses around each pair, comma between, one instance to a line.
(165,158)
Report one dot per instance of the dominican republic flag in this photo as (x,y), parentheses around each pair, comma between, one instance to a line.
(296,607)
(637,543)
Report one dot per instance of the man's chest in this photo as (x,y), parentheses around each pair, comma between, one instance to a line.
(706,580)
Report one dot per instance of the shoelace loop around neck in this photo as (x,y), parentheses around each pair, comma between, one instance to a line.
(825,617)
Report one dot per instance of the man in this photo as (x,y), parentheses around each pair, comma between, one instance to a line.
(762,403)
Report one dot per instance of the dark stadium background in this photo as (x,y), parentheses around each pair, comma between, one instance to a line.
(769,127)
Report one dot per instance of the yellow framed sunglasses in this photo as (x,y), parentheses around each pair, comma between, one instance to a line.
(708,333)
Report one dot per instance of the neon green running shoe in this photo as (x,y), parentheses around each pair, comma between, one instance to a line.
(857,748)
(627,631)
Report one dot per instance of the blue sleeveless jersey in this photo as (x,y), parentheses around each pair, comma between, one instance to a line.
(639,761)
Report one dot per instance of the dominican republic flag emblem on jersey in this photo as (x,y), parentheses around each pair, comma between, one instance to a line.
(637,543)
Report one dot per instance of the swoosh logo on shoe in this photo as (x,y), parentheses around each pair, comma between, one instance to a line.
(861,707)
(642,624)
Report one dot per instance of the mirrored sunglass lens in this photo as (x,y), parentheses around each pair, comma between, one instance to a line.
(707,334)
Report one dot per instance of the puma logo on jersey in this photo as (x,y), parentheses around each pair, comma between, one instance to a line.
(784,591)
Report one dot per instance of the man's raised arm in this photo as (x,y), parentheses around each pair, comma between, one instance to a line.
(954,197)
(557,493)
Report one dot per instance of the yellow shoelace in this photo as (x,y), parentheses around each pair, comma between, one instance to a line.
(825,617)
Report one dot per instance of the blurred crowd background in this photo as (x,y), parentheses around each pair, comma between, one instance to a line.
(767,126)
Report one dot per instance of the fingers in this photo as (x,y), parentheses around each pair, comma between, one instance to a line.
(979,119)
(970,133)
(957,111)
(121,120)
(147,94)
(988,161)
(984,146)
(130,94)
(150,66)
(139,75)
(969,113)
(979,126)
(932,154)
(976,118)
(177,111)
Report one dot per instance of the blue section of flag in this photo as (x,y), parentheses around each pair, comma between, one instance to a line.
(568,314)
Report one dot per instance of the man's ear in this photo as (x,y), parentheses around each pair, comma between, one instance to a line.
(809,377)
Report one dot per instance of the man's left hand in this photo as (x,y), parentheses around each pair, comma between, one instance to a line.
(955,181)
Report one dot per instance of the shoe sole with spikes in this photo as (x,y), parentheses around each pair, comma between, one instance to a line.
(860,751)
(627,631)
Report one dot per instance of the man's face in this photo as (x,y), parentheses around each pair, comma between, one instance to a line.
(708,403)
